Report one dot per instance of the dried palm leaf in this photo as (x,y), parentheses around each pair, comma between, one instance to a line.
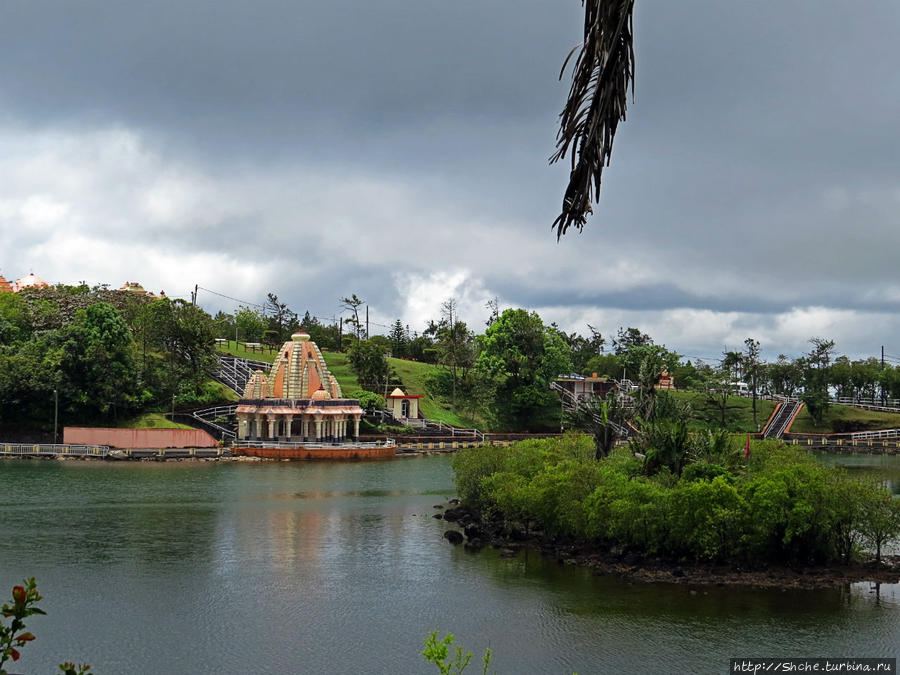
(601,77)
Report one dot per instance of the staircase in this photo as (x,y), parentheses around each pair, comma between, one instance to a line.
(786,411)
(234,372)
(570,403)
(207,417)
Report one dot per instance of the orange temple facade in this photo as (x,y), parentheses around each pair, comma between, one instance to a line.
(297,410)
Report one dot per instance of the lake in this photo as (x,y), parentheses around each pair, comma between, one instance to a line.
(341,568)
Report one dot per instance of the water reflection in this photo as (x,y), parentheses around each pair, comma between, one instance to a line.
(294,558)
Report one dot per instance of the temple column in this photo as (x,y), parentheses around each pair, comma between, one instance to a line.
(356,427)
(289,421)
(272,434)
(243,431)
(318,429)
(260,428)
(304,423)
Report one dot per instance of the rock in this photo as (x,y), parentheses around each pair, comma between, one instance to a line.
(507,553)
(474,544)
(438,506)
(453,502)
(453,537)
(454,514)
(438,516)
(473,532)
(678,572)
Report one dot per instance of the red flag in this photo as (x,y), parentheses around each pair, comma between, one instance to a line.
(747,449)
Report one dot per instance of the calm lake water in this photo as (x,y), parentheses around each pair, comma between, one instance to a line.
(340,568)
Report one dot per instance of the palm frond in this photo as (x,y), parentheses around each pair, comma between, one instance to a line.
(601,77)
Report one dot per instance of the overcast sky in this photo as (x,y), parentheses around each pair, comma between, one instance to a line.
(398,150)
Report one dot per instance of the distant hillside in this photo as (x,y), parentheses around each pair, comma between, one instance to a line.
(844,419)
(738,412)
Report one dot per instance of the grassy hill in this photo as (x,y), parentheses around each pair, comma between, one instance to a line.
(843,419)
(738,412)
(152,421)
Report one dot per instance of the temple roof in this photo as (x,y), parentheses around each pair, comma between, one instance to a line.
(30,281)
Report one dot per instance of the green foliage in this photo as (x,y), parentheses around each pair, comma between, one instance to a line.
(14,636)
(780,505)
(106,354)
(368,400)
(438,652)
(518,358)
(370,364)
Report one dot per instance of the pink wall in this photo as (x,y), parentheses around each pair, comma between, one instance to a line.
(138,438)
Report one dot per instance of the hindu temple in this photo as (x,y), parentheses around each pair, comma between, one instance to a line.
(297,403)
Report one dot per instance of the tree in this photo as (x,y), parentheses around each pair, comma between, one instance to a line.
(604,420)
(584,349)
(398,338)
(97,370)
(370,365)
(626,338)
(785,376)
(602,74)
(880,522)
(352,304)
(816,377)
(282,322)
(719,388)
(518,358)
(251,324)
(455,345)
(752,368)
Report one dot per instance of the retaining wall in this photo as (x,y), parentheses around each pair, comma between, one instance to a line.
(138,438)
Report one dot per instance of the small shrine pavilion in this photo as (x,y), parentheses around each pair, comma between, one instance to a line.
(298,401)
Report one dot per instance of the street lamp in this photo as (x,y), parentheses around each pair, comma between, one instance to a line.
(55,413)
(173,408)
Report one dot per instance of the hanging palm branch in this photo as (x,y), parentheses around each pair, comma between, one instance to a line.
(601,77)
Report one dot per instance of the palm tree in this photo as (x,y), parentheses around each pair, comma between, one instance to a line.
(601,77)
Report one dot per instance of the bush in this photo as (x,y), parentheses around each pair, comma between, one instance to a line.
(779,506)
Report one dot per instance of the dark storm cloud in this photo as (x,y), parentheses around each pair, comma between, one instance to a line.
(335,147)
(257,75)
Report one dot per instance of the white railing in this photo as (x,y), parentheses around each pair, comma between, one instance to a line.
(888,405)
(51,449)
(884,433)
(352,445)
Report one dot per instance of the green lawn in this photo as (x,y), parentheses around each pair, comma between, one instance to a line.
(339,365)
(152,421)
(738,413)
(238,349)
(844,418)
(412,374)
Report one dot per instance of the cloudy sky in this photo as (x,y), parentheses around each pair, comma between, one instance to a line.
(398,150)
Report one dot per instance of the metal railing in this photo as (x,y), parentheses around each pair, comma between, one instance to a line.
(234,372)
(779,423)
(53,450)
(570,402)
(867,435)
(338,445)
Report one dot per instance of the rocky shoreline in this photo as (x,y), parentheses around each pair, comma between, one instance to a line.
(477,533)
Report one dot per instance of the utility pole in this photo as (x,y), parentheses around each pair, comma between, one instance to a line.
(367,322)
(882,368)
(341,336)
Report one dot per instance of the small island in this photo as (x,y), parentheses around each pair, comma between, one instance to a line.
(692,508)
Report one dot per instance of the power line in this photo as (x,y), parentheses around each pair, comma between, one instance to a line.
(222,295)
